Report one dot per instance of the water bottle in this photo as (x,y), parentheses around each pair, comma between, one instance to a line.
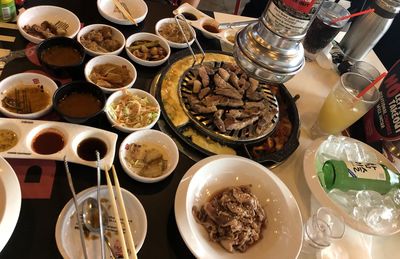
(368,29)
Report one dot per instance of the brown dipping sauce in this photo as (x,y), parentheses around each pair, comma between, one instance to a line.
(79,105)
(189,16)
(210,28)
(61,56)
(87,149)
(48,142)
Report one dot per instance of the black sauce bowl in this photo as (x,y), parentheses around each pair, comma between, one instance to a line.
(78,87)
(61,71)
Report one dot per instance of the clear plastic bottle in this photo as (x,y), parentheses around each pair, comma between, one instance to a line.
(8,10)
(359,176)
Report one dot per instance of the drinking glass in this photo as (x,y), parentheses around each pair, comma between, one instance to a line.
(366,69)
(322,31)
(342,107)
(321,229)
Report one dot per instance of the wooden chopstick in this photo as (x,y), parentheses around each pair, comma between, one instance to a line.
(131,244)
(124,12)
(124,215)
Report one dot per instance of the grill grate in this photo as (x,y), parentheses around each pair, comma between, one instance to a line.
(205,121)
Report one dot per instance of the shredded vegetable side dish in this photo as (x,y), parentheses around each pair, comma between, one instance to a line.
(133,111)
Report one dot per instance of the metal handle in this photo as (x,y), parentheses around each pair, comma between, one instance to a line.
(179,17)
(227,25)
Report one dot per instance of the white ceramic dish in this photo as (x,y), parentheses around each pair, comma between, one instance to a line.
(140,93)
(224,35)
(52,14)
(154,138)
(147,36)
(111,59)
(27,79)
(10,201)
(73,135)
(310,172)
(137,8)
(171,43)
(283,235)
(67,232)
(116,34)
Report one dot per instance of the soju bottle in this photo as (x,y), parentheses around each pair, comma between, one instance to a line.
(359,176)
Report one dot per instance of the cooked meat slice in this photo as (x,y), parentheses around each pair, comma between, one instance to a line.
(253,86)
(232,67)
(228,93)
(220,100)
(260,105)
(203,92)
(196,86)
(205,79)
(218,121)
(199,108)
(265,119)
(256,96)
(233,124)
(209,70)
(234,80)
(191,99)
(224,74)
(46,33)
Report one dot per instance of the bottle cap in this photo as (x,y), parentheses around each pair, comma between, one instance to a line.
(329,174)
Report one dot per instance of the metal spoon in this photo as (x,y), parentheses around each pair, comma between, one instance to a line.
(90,214)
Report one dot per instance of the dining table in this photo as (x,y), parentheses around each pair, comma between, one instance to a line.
(44,183)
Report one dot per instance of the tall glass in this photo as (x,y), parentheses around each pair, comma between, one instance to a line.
(322,31)
(342,107)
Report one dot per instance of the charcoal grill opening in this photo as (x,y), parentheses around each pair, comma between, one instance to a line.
(237,109)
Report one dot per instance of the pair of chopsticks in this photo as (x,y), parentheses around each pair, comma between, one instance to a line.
(121,204)
(124,11)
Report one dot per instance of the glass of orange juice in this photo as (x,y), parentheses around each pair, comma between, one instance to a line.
(342,107)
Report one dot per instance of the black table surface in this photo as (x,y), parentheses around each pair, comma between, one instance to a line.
(34,234)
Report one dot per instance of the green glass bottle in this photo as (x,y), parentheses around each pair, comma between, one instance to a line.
(359,176)
(7,10)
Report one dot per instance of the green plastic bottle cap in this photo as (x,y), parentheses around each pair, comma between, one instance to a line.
(329,174)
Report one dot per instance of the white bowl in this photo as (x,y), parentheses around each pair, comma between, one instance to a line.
(117,35)
(153,137)
(117,95)
(282,237)
(52,14)
(27,79)
(113,59)
(171,43)
(137,8)
(151,37)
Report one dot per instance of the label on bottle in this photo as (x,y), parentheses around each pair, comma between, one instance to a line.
(303,6)
(6,13)
(282,20)
(366,171)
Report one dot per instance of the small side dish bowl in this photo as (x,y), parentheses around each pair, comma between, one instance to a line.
(173,44)
(150,37)
(51,14)
(111,60)
(137,8)
(35,89)
(147,142)
(79,101)
(132,110)
(61,56)
(101,36)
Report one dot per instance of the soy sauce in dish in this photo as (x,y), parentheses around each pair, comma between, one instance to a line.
(189,16)
(48,142)
(211,28)
(87,149)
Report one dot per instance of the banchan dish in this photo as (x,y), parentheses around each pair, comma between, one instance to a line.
(70,140)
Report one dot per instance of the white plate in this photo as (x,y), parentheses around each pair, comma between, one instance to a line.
(137,8)
(10,201)
(310,173)
(67,231)
(52,14)
(27,130)
(283,235)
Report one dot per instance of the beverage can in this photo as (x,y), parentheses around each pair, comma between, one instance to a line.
(8,10)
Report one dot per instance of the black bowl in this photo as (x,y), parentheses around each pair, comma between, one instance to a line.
(79,101)
(66,66)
